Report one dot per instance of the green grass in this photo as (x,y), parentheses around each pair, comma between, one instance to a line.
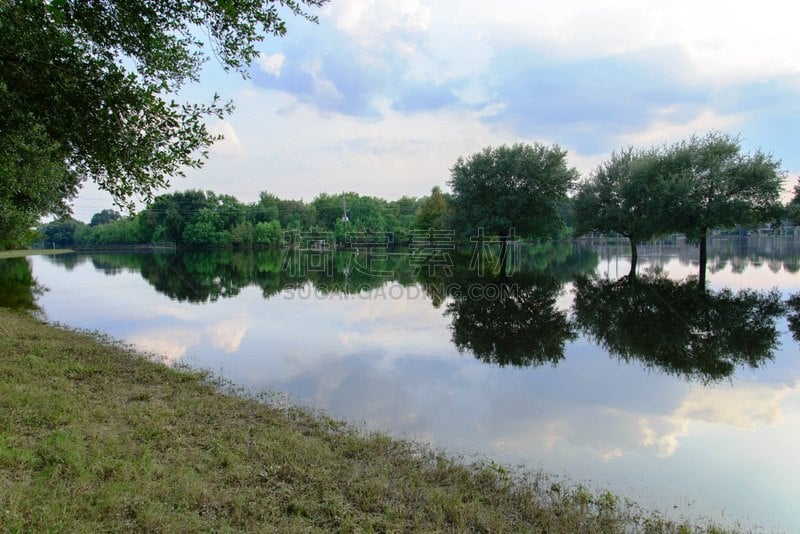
(94,437)
(32,252)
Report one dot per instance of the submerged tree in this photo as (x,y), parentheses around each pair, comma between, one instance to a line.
(725,187)
(631,194)
(516,188)
(85,93)
(671,326)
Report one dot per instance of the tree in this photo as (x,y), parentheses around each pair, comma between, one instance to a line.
(268,233)
(631,194)
(85,92)
(505,189)
(725,187)
(103,217)
(793,209)
(33,179)
(434,211)
(61,232)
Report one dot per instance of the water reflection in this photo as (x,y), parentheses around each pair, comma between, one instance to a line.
(18,288)
(674,327)
(393,364)
(793,315)
(668,325)
(734,253)
(515,322)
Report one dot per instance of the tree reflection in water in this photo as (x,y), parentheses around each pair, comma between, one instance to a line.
(668,325)
(671,326)
(793,315)
(18,288)
(513,323)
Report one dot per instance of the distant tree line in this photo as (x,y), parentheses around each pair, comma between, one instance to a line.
(499,194)
(205,219)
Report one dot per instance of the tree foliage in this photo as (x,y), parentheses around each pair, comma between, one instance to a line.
(434,211)
(206,219)
(632,194)
(104,217)
(33,179)
(85,92)
(511,187)
(725,187)
(793,209)
(625,195)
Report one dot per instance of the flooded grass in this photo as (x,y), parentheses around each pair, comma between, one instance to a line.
(94,436)
(32,252)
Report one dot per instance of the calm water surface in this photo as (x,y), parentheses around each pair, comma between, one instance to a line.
(646,386)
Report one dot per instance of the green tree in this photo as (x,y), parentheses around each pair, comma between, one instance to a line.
(85,92)
(632,194)
(61,232)
(105,216)
(399,217)
(434,211)
(725,187)
(266,209)
(33,178)
(510,188)
(268,233)
(793,209)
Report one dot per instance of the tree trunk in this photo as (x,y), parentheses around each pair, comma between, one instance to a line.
(701,281)
(634,258)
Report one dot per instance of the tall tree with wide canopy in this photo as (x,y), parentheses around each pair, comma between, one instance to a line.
(631,194)
(725,187)
(505,188)
(86,92)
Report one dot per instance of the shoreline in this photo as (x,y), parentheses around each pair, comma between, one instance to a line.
(22,253)
(94,435)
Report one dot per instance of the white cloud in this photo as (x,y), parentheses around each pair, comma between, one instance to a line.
(171,344)
(271,64)
(369,21)
(229,145)
(227,335)
(714,41)
(746,406)
(296,151)
(665,129)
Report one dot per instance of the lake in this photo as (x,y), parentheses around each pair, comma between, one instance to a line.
(686,401)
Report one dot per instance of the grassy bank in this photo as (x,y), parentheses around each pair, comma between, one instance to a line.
(95,437)
(32,252)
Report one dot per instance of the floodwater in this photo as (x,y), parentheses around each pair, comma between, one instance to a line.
(682,399)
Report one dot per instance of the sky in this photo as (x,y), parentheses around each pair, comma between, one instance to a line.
(383,96)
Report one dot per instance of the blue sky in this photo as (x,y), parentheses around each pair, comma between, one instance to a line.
(382,96)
